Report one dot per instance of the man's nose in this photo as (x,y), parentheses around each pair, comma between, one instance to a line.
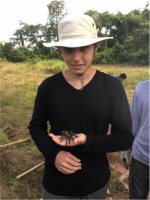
(76,54)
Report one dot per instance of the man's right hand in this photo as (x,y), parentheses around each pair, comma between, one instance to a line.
(125,159)
(66,163)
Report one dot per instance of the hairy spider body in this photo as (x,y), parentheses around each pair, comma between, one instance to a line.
(68,135)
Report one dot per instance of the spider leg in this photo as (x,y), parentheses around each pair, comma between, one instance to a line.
(66,142)
(75,135)
(61,139)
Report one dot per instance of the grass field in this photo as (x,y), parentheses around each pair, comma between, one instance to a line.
(19,83)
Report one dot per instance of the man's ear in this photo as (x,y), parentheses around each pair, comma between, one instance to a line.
(96,46)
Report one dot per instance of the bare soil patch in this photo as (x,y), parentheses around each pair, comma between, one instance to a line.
(17,159)
(5,193)
(9,80)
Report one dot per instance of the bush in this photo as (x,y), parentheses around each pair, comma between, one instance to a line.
(141,57)
(3,138)
(49,66)
(33,61)
(104,57)
(56,69)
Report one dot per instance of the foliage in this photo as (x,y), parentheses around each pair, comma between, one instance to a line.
(104,57)
(129,46)
(55,14)
(3,138)
(49,66)
(29,33)
(131,36)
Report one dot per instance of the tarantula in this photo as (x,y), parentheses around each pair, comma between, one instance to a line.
(68,135)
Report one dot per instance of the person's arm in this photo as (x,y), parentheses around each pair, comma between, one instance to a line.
(125,155)
(135,113)
(64,161)
(121,136)
(38,127)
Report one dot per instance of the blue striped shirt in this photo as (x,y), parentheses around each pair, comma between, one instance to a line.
(140,123)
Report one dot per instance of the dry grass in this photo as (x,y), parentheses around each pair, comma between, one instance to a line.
(19,83)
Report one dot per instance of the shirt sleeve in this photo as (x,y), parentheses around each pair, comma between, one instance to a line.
(121,137)
(135,113)
(38,128)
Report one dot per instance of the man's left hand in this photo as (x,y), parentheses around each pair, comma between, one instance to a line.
(79,140)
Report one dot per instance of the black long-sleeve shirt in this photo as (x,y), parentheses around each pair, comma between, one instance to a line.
(90,110)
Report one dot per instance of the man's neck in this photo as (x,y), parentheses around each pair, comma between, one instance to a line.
(75,80)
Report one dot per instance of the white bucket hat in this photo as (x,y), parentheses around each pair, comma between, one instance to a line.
(76,32)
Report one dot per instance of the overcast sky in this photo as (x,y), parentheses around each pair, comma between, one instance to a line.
(36,11)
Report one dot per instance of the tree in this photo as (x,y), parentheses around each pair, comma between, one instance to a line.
(104,21)
(55,14)
(97,18)
(5,49)
(130,44)
(29,34)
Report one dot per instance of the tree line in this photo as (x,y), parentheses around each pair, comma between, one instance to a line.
(129,46)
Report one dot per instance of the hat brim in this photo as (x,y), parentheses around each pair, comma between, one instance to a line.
(76,42)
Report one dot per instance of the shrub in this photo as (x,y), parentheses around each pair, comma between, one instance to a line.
(104,57)
(56,69)
(3,138)
(49,66)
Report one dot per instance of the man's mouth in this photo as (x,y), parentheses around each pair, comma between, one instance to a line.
(75,66)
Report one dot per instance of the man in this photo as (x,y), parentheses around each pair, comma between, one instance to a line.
(84,101)
(121,77)
(139,171)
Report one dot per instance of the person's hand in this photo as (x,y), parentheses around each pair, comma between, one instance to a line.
(79,140)
(125,159)
(67,163)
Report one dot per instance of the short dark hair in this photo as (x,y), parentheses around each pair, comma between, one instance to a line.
(123,75)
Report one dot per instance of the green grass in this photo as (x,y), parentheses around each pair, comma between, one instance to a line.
(111,182)
(27,187)
(50,66)
(135,74)
(3,138)
(19,84)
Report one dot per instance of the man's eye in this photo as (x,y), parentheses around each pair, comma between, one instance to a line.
(68,49)
(84,48)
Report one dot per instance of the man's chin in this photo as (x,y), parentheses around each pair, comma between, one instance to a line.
(78,74)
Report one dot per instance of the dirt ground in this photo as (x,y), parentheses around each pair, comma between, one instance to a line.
(113,158)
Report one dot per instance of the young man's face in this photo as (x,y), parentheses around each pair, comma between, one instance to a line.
(79,59)
(121,79)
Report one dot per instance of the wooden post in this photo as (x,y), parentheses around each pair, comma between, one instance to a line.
(30,170)
(15,142)
(119,182)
